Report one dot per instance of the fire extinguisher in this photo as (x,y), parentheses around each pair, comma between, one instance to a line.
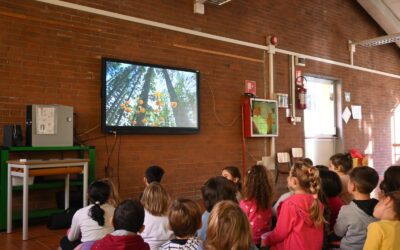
(301,94)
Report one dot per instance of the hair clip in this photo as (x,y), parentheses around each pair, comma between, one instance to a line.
(97,203)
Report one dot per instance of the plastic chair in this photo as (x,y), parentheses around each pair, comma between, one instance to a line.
(282,164)
(297,154)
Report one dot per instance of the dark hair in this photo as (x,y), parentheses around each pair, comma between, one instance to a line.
(154,173)
(395,196)
(364,178)
(330,183)
(99,192)
(342,162)
(129,215)
(217,189)
(258,187)
(391,180)
(308,161)
(235,172)
(184,217)
(321,167)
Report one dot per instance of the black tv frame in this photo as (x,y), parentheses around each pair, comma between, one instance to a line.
(144,129)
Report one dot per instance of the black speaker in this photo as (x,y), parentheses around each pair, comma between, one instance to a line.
(12,135)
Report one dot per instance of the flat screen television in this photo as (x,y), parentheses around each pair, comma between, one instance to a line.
(145,98)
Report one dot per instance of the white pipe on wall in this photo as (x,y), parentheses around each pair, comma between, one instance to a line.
(205,35)
(271,51)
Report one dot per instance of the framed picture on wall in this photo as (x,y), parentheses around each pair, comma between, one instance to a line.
(282,100)
(264,118)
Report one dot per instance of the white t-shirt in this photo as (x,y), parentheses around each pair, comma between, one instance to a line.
(156,230)
(83,224)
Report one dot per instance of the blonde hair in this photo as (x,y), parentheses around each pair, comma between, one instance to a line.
(155,199)
(228,228)
(114,199)
(310,182)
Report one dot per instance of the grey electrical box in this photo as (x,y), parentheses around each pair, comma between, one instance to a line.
(49,125)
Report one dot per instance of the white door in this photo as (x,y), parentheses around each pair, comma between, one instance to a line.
(320,128)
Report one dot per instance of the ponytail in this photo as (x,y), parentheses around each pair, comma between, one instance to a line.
(99,193)
(309,180)
(97,213)
(316,215)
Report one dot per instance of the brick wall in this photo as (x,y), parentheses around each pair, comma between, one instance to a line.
(50,55)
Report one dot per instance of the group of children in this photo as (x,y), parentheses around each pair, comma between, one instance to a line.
(326,207)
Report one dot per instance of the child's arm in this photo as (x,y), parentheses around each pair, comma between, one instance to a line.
(374,237)
(285,224)
(74,231)
(342,222)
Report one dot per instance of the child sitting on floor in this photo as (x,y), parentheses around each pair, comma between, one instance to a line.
(353,219)
(91,223)
(300,217)
(156,201)
(385,234)
(184,219)
(214,190)
(228,228)
(128,221)
(257,201)
(232,173)
(342,164)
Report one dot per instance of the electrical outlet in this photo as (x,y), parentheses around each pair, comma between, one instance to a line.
(297,119)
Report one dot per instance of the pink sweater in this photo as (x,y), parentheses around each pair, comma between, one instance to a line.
(259,219)
(294,228)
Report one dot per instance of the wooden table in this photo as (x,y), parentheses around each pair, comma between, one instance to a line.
(24,169)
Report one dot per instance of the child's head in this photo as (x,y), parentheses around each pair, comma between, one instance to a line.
(306,178)
(258,186)
(99,193)
(330,183)
(363,180)
(228,228)
(232,173)
(308,161)
(391,180)
(341,163)
(184,217)
(153,173)
(217,189)
(155,199)
(129,216)
(114,195)
(388,206)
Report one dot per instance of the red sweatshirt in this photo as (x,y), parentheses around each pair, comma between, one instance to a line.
(125,242)
(294,228)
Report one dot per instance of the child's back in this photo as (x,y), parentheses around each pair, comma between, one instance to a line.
(352,223)
(383,235)
(300,223)
(90,230)
(295,229)
(155,201)
(128,221)
(353,219)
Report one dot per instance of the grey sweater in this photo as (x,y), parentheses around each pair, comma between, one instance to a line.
(352,224)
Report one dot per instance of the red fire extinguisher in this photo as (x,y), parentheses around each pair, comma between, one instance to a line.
(301,93)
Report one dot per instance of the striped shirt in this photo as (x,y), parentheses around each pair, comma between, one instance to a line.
(182,244)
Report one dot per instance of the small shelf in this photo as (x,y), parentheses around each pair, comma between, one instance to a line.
(50,184)
(37,213)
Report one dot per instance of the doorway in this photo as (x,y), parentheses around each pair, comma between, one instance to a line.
(321,130)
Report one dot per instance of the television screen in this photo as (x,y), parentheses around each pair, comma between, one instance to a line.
(146,98)
(264,118)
